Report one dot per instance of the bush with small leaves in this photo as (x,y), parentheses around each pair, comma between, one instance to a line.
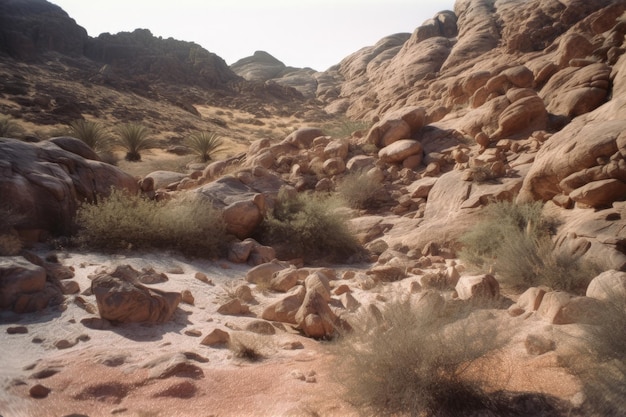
(359,190)
(8,127)
(124,221)
(308,226)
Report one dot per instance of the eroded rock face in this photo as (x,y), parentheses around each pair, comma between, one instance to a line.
(24,287)
(46,181)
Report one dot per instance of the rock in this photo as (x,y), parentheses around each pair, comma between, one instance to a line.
(201,276)
(96,323)
(17,330)
(284,280)
(238,252)
(193,333)
(285,310)
(260,327)
(336,149)
(609,286)
(599,193)
(177,365)
(39,391)
(162,179)
(263,274)
(122,301)
(244,293)
(318,282)
(303,138)
(349,302)
(23,286)
(216,338)
(538,345)
(187,297)
(400,150)
(315,318)
(233,308)
(69,287)
(47,183)
(477,286)
(562,308)
(530,300)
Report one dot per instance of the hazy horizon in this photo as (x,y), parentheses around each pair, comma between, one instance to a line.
(310,33)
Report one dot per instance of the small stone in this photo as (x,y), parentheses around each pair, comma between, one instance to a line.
(64,344)
(203,277)
(187,297)
(292,345)
(216,337)
(39,391)
(244,293)
(193,333)
(261,327)
(17,330)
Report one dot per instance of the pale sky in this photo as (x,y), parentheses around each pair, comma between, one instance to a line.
(300,33)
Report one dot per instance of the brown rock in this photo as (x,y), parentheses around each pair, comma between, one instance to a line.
(599,193)
(285,310)
(39,391)
(123,301)
(187,297)
(233,308)
(477,286)
(609,286)
(215,338)
(399,150)
(260,327)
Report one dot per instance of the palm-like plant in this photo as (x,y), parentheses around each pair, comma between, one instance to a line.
(94,134)
(134,138)
(204,144)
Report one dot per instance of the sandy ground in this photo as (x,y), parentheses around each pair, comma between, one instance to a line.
(107,371)
(112,372)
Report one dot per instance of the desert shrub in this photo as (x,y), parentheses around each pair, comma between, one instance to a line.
(134,138)
(250,347)
(204,144)
(8,127)
(407,361)
(308,226)
(600,365)
(358,190)
(515,242)
(125,221)
(94,134)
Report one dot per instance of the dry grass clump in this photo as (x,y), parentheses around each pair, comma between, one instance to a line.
(125,221)
(308,226)
(344,128)
(250,347)
(9,127)
(408,361)
(516,241)
(601,365)
(359,190)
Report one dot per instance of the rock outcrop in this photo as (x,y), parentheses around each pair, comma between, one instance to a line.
(45,182)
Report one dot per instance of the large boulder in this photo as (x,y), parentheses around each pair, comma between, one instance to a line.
(24,287)
(45,183)
(121,299)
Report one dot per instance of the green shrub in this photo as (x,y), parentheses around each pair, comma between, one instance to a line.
(8,127)
(125,221)
(515,242)
(308,226)
(404,360)
(358,190)
(204,144)
(94,134)
(134,139)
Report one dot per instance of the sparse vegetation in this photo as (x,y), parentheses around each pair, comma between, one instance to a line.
(134,138)
(346,127)
(94,134)
(125,221)
(358,190)
(248,347)
(516,242)
(405,360)
(204,144)
(308,226)
(9,128)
